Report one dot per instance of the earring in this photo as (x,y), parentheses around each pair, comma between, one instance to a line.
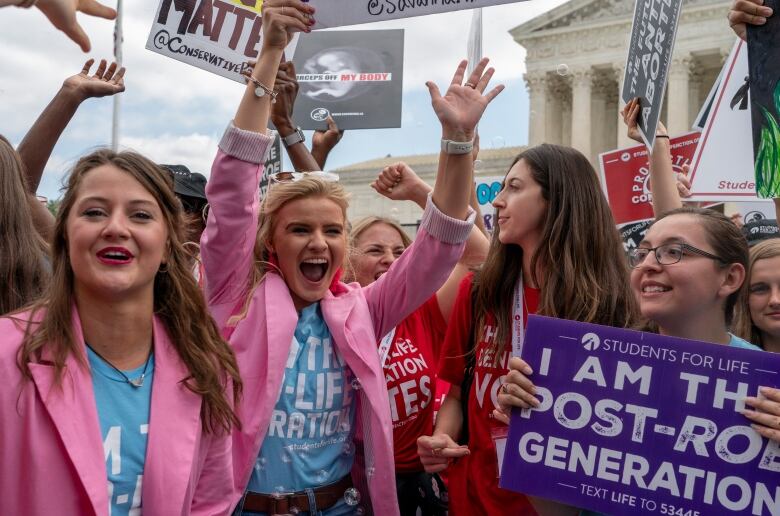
(161,270)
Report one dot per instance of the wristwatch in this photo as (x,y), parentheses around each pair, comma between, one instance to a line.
(452,147)
(294,137)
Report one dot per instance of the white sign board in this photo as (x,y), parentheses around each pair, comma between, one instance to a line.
(336,13)
(216,35)
(722,168)
(487,189)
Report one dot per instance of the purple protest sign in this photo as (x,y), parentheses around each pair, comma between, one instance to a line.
(634,422)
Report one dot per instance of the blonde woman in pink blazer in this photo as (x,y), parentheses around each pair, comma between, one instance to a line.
(118,390)
(314,389)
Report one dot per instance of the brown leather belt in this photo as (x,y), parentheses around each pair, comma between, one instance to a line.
(285,503)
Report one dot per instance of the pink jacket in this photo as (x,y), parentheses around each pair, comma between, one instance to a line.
(51,449)
(356,317)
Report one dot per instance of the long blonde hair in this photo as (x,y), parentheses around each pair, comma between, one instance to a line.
(177,300)
(743,325)
(22,250)
(277,196)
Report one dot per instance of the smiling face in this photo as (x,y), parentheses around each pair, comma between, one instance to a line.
(695,288)
(116,235)
(520,207)
(376,249)
(764,295)
(309,241)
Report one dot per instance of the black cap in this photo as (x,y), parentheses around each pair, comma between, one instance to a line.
(186,183)
(758,230)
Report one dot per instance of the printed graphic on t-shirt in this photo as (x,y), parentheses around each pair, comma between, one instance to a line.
(489,374)
(309,439)
(409,384)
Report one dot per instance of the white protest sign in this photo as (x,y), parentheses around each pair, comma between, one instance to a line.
(487,189)
(336,13)
(722,168)
(216,35)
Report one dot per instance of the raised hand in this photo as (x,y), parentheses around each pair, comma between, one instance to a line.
(744,12)
(437,451)
(62,14)
(630,117)
(106,81)
(399,182)
(461,107)
(328,138)
(282,18)
(683,182)
(286,87)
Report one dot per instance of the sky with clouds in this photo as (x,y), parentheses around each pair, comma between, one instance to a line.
(175,113)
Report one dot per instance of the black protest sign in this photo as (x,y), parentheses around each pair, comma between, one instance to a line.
(649,55)
(273,164)
(356,77)
(764,78)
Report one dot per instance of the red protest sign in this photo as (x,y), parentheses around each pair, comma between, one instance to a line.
(625,176)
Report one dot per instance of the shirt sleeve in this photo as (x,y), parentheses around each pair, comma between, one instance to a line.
(452,361)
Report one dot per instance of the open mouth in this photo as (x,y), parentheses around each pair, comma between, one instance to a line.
(655,288)
(115,255)
(378,274)
(314,269)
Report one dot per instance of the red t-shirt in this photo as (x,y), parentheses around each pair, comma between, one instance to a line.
(476,476)
(410,373)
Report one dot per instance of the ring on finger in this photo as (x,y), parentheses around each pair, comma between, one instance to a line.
(505,388)
(435,452)
(471,85)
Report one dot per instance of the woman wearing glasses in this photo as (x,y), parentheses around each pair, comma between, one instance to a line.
(315,410)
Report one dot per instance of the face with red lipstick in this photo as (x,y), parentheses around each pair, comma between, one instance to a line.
(689,289)
(309,242)
(116,235)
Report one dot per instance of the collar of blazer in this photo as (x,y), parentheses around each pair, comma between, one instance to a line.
(174,423)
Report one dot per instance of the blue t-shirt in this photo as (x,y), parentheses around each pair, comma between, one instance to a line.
(309,440)
(123,411)
(736,342)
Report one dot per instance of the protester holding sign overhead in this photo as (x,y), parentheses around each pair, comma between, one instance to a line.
(556,251)
(747,12)
(315,415)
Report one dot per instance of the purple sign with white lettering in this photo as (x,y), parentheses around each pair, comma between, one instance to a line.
(634,422)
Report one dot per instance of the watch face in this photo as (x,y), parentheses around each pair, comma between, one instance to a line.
(259,92)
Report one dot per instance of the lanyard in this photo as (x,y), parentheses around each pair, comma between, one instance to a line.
(384,346)
(518,328)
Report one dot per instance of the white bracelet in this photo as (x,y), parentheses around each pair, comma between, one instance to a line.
(453,147)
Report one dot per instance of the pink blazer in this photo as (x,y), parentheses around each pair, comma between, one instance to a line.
(51,447)
(356,317)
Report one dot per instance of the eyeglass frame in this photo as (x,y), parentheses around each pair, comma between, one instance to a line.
(682,246)
(297,176)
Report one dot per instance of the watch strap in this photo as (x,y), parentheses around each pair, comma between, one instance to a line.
(453,147)
(296,136)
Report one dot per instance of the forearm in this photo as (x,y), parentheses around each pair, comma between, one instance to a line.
(454,182)
(43,220)
(18,3)
(662,180)
(320,155)
(449,419)
(302,160)
(38,144)
(253,111)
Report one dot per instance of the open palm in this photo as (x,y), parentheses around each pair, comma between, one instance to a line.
(106,81)
(62,14)
(461,107)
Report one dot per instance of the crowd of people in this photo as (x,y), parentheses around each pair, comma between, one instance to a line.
(178,345)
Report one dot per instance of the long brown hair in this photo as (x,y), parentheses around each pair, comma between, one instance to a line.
(580,265)
(177,301)
(22,250)
(743,325)
(277,196)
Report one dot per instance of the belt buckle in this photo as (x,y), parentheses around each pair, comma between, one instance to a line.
(277,507)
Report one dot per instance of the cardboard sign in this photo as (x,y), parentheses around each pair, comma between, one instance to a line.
(337,13)
(219,36)
(273,164)
(637,423)
(354,76)
(625,176)
(487,189)
(764,62)
(722,168)
(649,56)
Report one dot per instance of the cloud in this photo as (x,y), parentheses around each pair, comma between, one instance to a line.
(196,151)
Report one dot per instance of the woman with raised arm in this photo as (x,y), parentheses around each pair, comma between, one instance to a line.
(306,342)
(554,251)
(119,390)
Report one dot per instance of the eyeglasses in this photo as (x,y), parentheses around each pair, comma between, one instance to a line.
(667,254)
(292,177)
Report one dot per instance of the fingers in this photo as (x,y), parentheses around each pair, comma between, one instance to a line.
(77,34)
(433,90)
(499,415)
(93,8)
(457,79)
(331,124)
(518,364)
(436,452)
(109,74)
(87,66)
(517,391)
(494,92)
(101,69)
(119,79)
(476,76)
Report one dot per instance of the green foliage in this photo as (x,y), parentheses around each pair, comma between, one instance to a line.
(767,166)
(53,206)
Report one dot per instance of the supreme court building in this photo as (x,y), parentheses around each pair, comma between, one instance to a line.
(576,57)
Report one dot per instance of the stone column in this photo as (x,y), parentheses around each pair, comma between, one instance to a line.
(537,90)
(679,95)
(623,141)
(566,125)
(581,110)
(554,116)
(696,100)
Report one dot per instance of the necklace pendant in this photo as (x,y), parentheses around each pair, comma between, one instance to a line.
(137,382)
